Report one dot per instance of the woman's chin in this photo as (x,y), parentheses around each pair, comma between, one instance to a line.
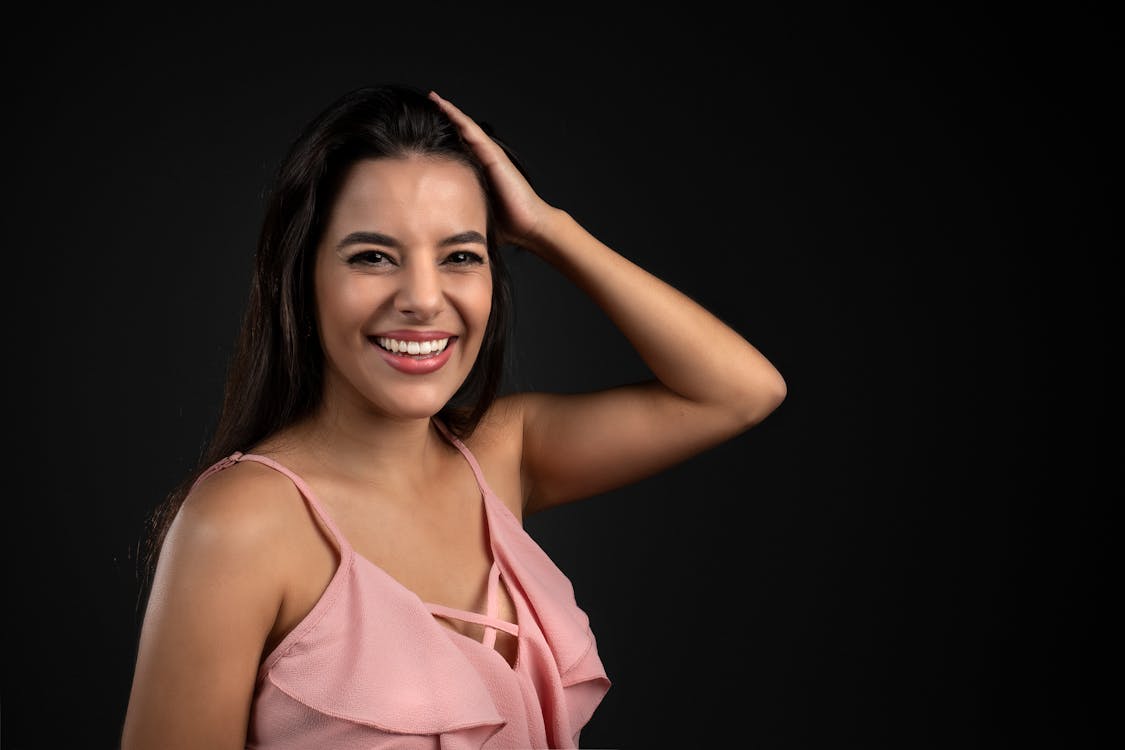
(422,408)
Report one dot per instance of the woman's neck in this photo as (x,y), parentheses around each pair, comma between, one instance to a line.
(370,449)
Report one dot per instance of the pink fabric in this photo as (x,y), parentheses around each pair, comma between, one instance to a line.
(370,667)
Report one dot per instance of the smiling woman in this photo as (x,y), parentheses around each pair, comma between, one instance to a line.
(404,244)
(347,565)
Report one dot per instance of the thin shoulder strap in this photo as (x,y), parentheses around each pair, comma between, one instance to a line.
(216,467)
(305,490)
(468,456)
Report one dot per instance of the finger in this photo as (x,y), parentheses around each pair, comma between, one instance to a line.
(460,118)
(470,131)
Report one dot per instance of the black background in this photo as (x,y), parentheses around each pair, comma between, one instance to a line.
(907,212)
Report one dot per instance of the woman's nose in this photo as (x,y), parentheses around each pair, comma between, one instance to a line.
(420,293)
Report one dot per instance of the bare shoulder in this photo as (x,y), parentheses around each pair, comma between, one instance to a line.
(501,426)
(238,515)
(246,498)
(497,444)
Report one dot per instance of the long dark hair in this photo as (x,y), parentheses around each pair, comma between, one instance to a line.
(276,372)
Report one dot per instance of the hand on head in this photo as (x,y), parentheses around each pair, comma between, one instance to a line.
(523,212)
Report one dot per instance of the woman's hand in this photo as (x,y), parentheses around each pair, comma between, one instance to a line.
(523,214)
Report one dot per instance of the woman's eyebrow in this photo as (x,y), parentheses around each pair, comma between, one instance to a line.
(368,238)
(378,238)
(464,237)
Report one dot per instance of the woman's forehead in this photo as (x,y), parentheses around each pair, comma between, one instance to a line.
(413,183)
(417,200)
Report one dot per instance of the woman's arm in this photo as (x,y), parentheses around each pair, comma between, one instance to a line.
(711,384)
(214,599)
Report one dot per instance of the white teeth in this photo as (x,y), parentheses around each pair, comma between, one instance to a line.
(413,347)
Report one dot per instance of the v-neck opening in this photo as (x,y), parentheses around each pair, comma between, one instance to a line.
(501,581)
(514,665)
(346,549)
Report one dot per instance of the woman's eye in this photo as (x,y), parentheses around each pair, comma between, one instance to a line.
(464,258)
(369,257)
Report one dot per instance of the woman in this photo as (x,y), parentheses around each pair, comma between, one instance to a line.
(348,567)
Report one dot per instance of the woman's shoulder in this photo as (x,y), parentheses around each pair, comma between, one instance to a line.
(497,445)
(242,508)
(227,548)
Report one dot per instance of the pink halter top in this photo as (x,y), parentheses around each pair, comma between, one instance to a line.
(369,667)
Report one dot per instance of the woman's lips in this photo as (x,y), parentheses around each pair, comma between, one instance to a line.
(416,364)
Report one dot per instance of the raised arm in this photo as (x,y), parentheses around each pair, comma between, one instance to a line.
(710,383)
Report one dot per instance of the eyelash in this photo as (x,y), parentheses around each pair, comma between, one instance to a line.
(472,258)
(363,258)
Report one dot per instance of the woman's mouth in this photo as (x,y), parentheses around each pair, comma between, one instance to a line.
(413,348)
(414,357)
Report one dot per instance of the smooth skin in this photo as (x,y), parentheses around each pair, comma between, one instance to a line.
(245,560)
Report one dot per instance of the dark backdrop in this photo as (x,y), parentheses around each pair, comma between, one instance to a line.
(907,213)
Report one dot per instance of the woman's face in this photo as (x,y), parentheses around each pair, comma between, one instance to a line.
(403,268)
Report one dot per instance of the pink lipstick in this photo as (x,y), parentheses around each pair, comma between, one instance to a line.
(419,363)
